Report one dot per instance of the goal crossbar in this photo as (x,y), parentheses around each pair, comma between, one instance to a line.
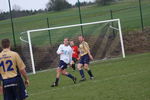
(69,26)
(75,25)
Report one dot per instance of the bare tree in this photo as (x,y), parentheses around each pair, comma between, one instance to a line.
(1,11)
(58,5)
(103,2)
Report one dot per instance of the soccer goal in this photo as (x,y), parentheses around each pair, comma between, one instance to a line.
(39,45)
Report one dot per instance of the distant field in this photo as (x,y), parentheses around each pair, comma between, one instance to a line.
(130,20)
(120,79)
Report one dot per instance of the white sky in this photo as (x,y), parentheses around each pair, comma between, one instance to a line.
(30,4)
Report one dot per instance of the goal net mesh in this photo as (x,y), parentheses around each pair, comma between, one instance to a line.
(103,39)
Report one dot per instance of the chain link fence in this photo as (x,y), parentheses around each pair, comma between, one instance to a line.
(132,18)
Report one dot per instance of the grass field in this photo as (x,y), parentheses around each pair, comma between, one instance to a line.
(130,20)
(122,79)
(118,79)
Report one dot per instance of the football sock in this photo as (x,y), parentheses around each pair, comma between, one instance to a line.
(82,73)
(73,66)
(57,80)
(90,73)
(70,76)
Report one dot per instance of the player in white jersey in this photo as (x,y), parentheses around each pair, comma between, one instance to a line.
(65,53)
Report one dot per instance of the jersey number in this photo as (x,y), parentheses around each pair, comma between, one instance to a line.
(9,63)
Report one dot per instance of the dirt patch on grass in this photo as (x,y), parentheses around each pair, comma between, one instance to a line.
(137,41)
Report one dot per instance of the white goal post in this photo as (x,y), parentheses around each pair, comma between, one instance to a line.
(69,26)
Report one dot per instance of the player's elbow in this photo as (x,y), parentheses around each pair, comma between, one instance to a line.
(58,52)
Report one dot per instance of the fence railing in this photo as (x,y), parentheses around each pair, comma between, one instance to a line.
(133,15)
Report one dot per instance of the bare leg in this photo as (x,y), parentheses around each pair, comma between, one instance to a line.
(1,90)
(81,71)
(86,67)
(64,72)
(58,72)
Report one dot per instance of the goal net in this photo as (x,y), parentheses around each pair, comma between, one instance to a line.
(39,46)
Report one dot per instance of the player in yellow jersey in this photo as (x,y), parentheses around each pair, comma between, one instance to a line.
(11,70)
(85,56)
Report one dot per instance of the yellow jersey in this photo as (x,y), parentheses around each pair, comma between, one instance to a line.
(10,62)
(84,48)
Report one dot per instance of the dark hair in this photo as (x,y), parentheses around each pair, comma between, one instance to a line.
(81,36)
(5,43)
(66,38)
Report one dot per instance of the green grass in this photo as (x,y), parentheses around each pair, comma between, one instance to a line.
(122,79)
(118,79)
(130,20)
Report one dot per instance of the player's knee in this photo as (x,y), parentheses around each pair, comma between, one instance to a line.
(72,62)
(86,67)
(79,67)
(64,73)
(58,70)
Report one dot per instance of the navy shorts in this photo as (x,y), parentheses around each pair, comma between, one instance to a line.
(14,89)
(84,59)
(62,65)
(1,78)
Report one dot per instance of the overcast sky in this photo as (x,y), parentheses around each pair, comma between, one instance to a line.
(30,4)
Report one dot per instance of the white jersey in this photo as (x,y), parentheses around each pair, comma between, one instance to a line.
(65,53)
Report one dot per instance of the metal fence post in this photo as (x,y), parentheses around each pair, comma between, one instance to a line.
(12,24)
(49,32)
(111,16)
(141,15)
(80,16)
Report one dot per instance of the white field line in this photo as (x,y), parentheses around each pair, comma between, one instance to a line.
(92,81)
